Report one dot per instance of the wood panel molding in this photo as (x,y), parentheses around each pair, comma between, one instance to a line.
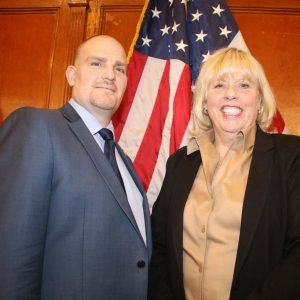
(118,18)
(127,3)
(71,34)
(78,3)
(76,34)
(265,4)
(101,11)
(264,9)
(93,18)
(19,4)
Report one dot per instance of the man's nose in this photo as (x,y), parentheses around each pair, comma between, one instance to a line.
(109,73)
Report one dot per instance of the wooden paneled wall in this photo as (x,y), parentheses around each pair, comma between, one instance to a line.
(38,38)
(37,42)
(118,18)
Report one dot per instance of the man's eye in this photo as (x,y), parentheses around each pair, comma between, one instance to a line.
(121,70)
(95,64)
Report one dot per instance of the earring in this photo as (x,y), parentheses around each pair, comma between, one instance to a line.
(261,109)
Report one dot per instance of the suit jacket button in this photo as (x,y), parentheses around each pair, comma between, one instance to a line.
(141,264)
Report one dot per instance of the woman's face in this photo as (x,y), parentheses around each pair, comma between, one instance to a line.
(232,104)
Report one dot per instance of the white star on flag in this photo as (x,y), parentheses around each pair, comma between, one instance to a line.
(165,30)
(175,26)
(206,56)
(217,10)
(155,12)
(224,31)
(201,36)
(196,16)
(181,46)
(146,41)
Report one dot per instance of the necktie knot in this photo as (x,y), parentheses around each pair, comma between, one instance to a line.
(109,152)
(106,134)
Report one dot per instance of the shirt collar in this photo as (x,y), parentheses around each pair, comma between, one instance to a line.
(244,141)
(89,120)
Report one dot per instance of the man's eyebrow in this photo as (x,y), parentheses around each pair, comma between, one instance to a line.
(103,59)
(96,58)
(119,63)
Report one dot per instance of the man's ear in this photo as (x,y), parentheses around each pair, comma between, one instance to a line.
(71,75)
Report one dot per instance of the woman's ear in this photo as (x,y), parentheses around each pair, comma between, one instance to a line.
(71,75)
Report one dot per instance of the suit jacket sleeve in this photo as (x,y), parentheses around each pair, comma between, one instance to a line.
(25,176)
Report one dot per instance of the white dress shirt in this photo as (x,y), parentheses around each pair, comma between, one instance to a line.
(134,196)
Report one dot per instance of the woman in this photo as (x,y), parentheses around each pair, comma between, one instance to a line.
(226,224)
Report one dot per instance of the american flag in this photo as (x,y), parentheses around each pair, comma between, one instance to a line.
(174,38)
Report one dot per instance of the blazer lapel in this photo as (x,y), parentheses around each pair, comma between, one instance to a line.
(102,165)
(255,194)
(185,175)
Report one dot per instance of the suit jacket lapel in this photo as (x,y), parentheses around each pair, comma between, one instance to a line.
(102,165)
(255,194)
(182,184)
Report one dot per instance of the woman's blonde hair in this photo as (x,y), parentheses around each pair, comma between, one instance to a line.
(228,62)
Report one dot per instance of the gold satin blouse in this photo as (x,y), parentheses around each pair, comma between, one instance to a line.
(212,216)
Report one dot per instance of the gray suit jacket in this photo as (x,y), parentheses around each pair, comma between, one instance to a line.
(66,229)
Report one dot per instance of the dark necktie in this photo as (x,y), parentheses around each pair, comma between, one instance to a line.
(109,152)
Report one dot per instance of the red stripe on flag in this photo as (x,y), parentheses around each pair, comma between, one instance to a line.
(277,123)
(182,109)
(134,73)
(147,154)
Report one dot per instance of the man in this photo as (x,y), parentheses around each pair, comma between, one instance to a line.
(69,228)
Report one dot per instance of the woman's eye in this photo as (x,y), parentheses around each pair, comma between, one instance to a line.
(218,85)
(244,85)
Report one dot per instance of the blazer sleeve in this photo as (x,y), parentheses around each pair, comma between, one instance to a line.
(159,287)
(25,176)
(283,281)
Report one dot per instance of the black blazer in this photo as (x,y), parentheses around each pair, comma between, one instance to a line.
(268,257)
